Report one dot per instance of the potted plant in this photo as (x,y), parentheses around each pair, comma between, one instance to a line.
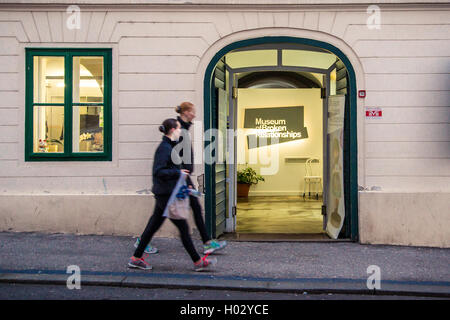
(245,178)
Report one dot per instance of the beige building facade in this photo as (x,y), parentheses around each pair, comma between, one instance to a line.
(160,53)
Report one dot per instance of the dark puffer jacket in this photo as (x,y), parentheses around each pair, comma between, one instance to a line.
(165,171)
(187,141)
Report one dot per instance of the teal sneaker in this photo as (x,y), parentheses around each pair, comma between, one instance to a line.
(213,246)
(149,249)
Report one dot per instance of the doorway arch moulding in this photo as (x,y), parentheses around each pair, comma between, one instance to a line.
(255,34)
(322,40)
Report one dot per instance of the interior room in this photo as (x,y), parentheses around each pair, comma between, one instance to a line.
(277,205)
(50,104)
(287,105)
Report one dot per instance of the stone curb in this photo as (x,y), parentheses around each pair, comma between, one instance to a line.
(299,286)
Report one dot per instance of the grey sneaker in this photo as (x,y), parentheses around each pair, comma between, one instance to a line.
(214,245)
(140,263)
(149,249)
(205,263)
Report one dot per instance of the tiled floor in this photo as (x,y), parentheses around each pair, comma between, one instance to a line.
(287,214)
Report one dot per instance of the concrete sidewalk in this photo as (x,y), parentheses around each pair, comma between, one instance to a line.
(313,267)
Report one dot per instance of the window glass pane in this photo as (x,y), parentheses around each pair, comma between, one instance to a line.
(253,58)
(87,129)
(312,59)
(48,129)
(48,79)
(87,79)
(333,82)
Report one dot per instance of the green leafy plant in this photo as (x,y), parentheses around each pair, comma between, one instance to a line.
(248,176)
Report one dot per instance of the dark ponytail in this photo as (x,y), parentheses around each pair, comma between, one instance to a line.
(167,125)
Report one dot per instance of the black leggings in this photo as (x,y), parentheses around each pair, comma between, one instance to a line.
(155,223)
(197,210)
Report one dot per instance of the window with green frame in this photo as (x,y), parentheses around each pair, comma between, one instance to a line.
(68,105)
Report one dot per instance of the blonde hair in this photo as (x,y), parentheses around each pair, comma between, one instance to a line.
(183,107)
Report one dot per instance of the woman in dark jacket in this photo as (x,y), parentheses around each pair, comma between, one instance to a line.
(165,177)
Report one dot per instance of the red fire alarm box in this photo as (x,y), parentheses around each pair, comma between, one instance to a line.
(362,93)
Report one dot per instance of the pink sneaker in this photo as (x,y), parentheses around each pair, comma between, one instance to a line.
(205,263)
(139,263)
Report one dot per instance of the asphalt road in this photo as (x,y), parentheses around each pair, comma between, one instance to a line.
(55,292)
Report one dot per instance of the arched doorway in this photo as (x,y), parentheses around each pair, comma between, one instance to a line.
(216,199)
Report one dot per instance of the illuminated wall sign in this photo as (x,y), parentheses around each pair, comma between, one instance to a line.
(284,123)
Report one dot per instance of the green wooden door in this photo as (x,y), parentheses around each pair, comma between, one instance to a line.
(217,202)
(221,167)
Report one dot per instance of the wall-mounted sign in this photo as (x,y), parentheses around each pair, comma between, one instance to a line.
(374,113)
(282,123)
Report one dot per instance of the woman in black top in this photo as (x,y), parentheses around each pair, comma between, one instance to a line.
(187,114)
(165,177)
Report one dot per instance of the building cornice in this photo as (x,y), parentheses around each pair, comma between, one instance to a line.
(222,2)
